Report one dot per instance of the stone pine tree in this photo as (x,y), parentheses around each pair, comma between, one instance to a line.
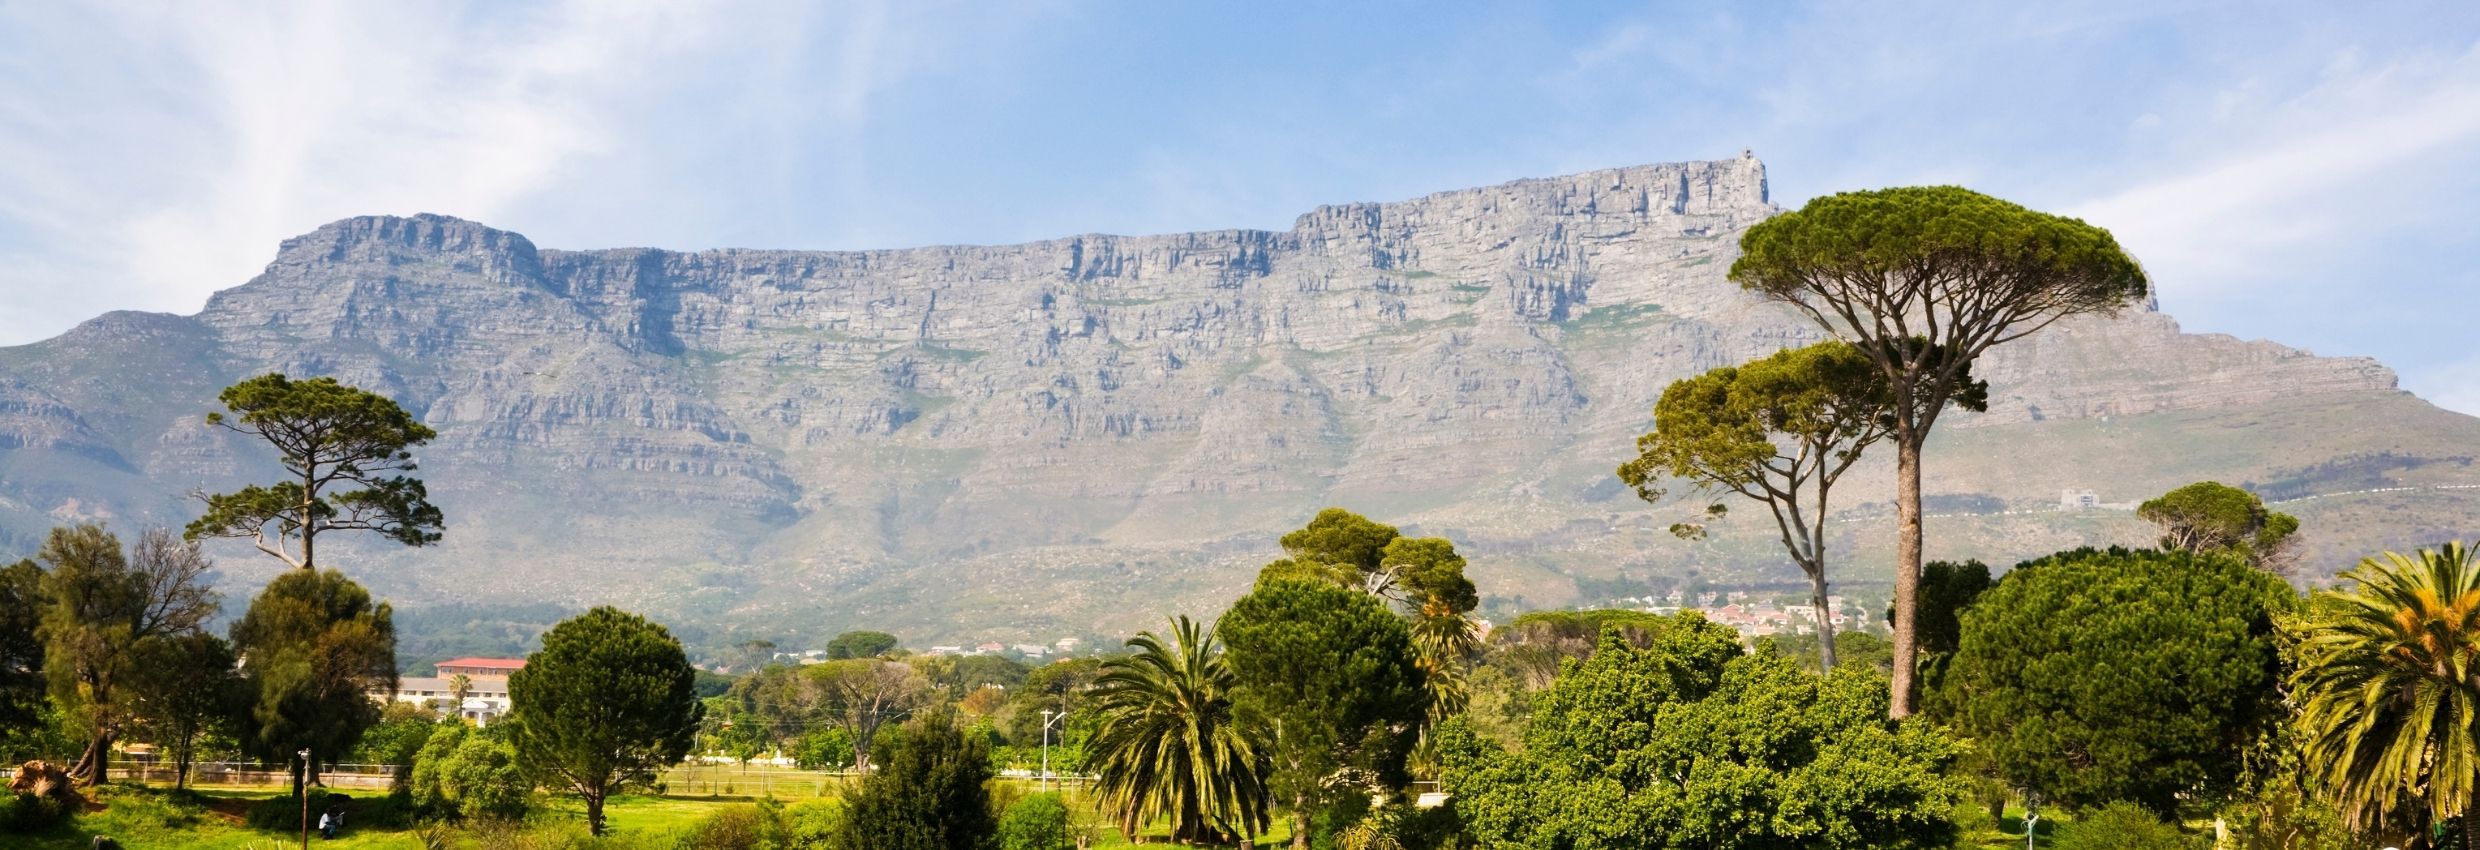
(2098,675)
(1779,430)
(101,607)
(860,644)
(1923,281)
(609,700)
(2209,516)
(1331,682)
(1424,575)
(346,453)
(313,647)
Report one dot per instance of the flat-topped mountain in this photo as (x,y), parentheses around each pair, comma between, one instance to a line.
(1083,434)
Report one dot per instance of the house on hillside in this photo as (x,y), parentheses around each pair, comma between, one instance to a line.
(486,688)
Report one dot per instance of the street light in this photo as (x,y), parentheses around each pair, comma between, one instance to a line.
(303,788)
(1048,717)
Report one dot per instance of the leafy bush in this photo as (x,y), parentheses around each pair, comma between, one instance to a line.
(22,813)
(1037,822)
(931,795)
(1687,742)
(756,827)
(814,823)
(2124,826)
(462,773)
(828,748)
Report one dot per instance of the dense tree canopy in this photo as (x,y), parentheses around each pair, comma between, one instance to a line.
(1689,743)
(469,773)
(1924,280)
(346,450)
(2091,676)
(21,644)
(609,700)
(2209,516)
(314,645)
(929,797)
(190,689)
(861,644)
(100,609)
(861,696)
(1331,679)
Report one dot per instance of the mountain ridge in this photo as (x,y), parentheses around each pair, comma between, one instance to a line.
(1008,439)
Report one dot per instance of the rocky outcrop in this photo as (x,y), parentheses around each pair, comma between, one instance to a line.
(886,434)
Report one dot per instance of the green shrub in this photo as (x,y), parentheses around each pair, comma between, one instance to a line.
(814,823)
(2124,826)
(930,794)
(465,774)
(1037,822)
(754,827)
(22,813)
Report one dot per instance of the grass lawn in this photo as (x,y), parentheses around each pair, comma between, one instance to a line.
(154,819)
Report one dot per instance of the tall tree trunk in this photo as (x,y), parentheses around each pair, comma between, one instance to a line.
(309,518)
(2471,826)
(1300,822)
(94,764)
(1825,619)
(1906,572)
(594,813)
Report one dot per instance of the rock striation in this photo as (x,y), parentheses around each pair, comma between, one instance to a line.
(1082,433)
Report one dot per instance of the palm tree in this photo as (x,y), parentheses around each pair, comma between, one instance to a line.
(459,687)
(1446,641)
(2388,686)
(1168,745)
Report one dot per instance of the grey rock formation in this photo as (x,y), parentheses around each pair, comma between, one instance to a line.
(1082,434)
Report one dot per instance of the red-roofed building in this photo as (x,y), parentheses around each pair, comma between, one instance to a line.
(485,688)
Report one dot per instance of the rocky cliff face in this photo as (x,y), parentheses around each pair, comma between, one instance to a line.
(1081,433)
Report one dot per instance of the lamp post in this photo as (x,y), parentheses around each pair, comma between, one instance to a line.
(1048,717)
(303,788)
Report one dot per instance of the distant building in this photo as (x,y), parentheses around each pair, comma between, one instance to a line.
(486,688)
(1067,646)
(472,667)
(988,647)
(1032,650)
(2078,500)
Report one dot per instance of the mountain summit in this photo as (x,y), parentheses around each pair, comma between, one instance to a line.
(1081,434)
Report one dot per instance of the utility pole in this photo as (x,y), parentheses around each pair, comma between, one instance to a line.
(304,785)
(1048,717)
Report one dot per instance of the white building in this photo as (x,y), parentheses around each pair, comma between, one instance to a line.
(486,688)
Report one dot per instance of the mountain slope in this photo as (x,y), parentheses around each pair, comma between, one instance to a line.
(1080,435)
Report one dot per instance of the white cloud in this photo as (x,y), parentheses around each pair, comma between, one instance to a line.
(2453,386)
(150,155)
(2275,179)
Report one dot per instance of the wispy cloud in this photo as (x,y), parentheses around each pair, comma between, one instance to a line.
(2272,177)
(150,155)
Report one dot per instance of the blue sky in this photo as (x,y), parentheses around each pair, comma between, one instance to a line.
(2304,172)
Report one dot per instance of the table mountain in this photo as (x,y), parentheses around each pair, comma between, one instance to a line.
(1083,434)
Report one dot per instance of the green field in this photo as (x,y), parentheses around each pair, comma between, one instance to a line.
(154,819)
